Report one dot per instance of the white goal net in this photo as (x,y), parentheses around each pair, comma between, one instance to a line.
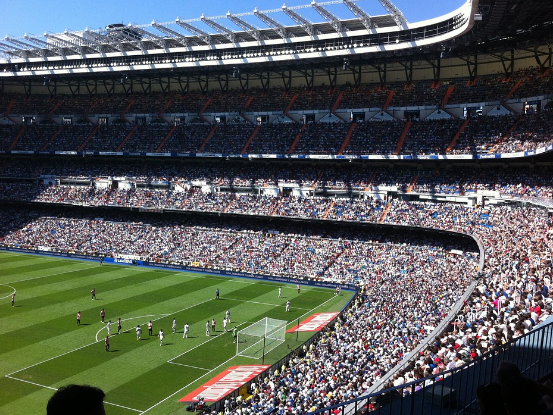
(260,338)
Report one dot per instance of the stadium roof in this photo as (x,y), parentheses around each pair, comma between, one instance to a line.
(505,24)
(257,25)
(278,38)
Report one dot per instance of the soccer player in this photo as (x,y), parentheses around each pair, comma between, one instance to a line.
(279,292)
(161,337)
(106,342)
(101,261)
(93,292)
(186,329)
(225,322)
(103,314)
(118,325)
(337,290)
(174,325)
(298,287)
(78,318)
(288,305)
(207,328)
(13,300)
(234,334)
(227,315)
(150,328)
(212,324)
(217,293)
(138,332)
(108,325)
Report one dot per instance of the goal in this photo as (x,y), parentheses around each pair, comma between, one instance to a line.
(260,338)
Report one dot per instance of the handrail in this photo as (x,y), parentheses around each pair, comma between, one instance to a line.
(477,372)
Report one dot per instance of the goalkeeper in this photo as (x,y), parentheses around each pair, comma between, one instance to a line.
(234,334)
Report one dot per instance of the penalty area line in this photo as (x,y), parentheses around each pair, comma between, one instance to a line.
(55,389)
(131,318)
(259,302)
(193,367)
(201,344)
(32,383)
(51,358)
(52,275)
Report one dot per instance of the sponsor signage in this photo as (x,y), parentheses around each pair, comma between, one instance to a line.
(223,384)
(314,323)
(192,267)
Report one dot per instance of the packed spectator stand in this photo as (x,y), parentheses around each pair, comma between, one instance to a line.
(510,298)
(386,321)
(229,122)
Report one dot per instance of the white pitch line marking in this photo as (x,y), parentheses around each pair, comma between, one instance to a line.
(201,344)
(121,406)
(51,275)
(193,367)
(55,389)
(9,295)
(51,358)
(32,383)
(184,387)
(258,302)
(132,318)
(214,369)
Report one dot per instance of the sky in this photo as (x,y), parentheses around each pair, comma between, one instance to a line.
(36,17)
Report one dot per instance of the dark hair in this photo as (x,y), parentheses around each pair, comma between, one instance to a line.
(490,400)
(506,370)
(73,399)
(521,396)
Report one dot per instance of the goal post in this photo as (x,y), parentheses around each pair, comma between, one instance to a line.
(260,338)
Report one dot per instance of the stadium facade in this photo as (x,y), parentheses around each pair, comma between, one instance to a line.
(146,66)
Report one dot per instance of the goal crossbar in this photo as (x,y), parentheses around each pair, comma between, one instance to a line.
(260,338)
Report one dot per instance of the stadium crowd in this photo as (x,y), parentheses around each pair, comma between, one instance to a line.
(406,286)
(510,299)
(475,135)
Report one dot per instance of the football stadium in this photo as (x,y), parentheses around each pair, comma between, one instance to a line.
(307,209)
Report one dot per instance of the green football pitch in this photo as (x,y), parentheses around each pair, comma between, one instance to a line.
(42,348)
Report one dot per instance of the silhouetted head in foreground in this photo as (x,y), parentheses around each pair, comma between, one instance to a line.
(76,399)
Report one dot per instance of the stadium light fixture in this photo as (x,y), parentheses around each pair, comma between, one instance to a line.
(345,64)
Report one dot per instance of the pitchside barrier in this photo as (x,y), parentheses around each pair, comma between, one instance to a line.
(177,267)
(346,408)
(386,157)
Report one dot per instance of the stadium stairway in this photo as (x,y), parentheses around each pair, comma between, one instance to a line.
(386,209)
(456,136)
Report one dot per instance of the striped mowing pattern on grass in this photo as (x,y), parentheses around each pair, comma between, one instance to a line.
(42,348)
